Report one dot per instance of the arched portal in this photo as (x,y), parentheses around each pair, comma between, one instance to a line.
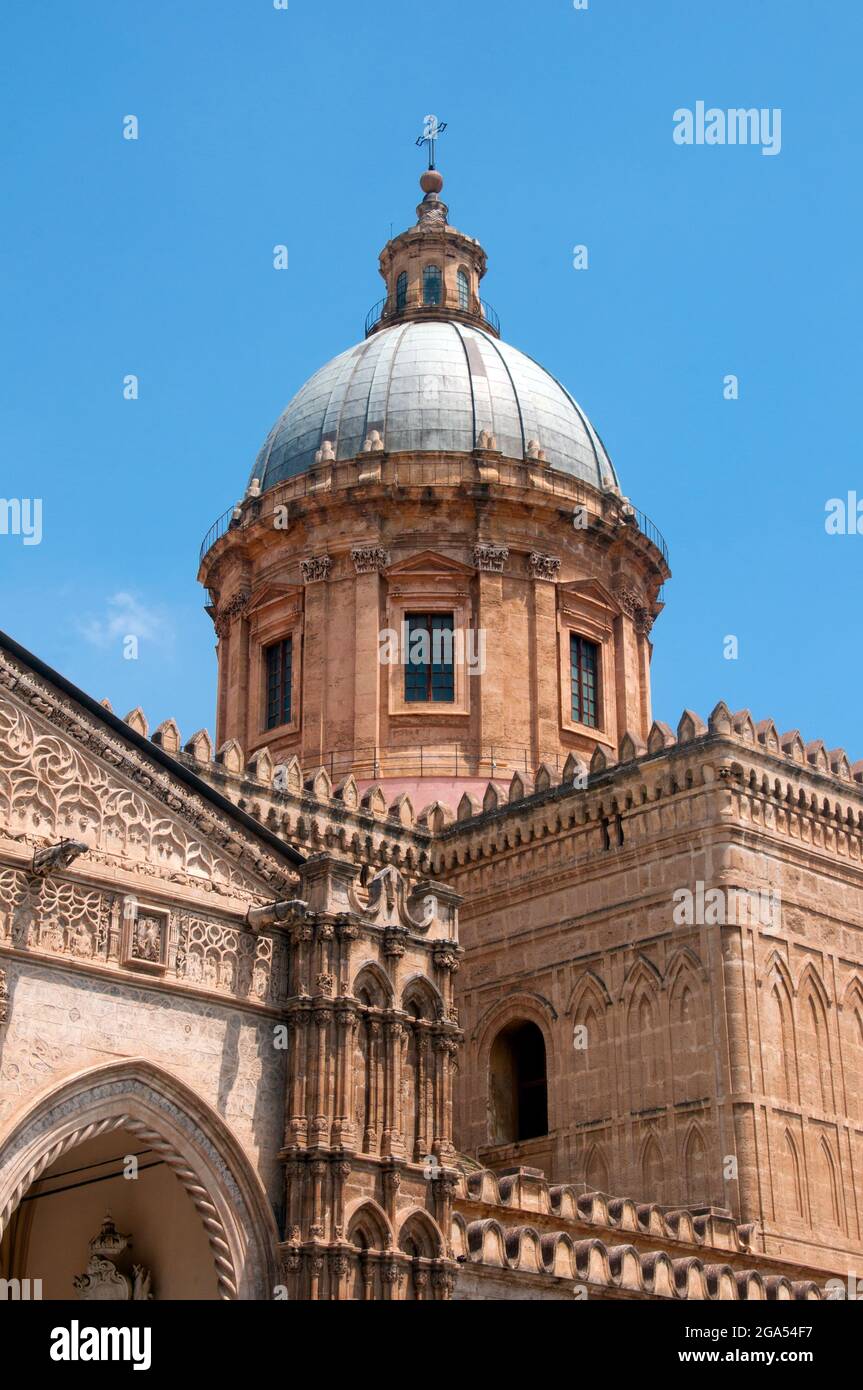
(518,1083)
(78,1131)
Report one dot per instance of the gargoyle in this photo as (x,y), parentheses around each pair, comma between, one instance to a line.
(290,910)
(58,856)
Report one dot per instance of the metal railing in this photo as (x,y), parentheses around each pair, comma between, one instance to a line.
(405,471)
(494,762)
(392,312)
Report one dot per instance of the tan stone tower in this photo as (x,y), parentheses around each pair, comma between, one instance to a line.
(433,578)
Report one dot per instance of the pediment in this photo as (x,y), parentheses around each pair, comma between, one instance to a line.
(591,591)
(273,592)
(429,562)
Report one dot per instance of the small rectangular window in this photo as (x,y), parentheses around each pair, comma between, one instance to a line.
(583,669)
(429,659)
(280,661)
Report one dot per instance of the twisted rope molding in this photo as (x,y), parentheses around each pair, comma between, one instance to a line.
(204,1206)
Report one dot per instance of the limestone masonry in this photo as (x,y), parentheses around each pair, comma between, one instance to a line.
(445,971)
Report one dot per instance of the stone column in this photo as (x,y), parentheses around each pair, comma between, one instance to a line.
(369,562)
(343,1126)
(423,1047)
(545,657)
(489,689)
(320,1120)
(393,1141)
(315,572)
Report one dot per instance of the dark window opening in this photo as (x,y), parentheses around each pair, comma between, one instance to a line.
(429,658)
(431,285)
(463,290)
(402,291)
(519,1084)
(583,670)
(280,659)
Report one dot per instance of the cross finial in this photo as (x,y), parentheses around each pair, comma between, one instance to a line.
(432,130)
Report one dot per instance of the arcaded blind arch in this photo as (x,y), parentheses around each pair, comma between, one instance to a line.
(518,1084)
(590,1044)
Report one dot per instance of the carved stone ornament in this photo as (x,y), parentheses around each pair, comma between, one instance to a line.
(144,944)
(388,903)
(230,610)
(91,768)
(490,559)
(102,1280)
(544,566)
(370,559)
(4,997)
(644,621)
(316,569)
(58,856)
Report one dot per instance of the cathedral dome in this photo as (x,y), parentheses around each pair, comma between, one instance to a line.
(433,386)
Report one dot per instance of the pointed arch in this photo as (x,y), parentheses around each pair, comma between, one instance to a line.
(827,1196)
(590,1006)
(687,1012)
(813,1003)
(652,1170)
(136,1095)
(645,1041)
(420,994)
(695,1168)
(368,1225)
(588,985)
(372,986)
(791,1179)
(420,1236)
(596,1170)
(778,1032)
(851,1033)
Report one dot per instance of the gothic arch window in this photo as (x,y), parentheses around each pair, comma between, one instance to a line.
(401,291)
(463,284)
(518,1083)
(431,285)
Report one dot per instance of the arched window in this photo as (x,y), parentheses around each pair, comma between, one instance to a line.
(402,291)
(519,1085)
(431,284)
(463,290)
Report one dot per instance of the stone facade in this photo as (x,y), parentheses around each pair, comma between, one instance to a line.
(503,995)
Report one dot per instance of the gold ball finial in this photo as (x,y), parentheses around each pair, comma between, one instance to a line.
(431,181)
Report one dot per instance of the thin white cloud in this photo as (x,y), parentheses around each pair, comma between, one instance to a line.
(126,616)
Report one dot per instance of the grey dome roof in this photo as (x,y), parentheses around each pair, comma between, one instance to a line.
(429,386)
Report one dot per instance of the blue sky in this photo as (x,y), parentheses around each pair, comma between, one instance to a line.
(260,126)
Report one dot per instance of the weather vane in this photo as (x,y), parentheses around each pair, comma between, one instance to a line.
(432,130)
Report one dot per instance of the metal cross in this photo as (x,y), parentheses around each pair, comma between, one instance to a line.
(432,130)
